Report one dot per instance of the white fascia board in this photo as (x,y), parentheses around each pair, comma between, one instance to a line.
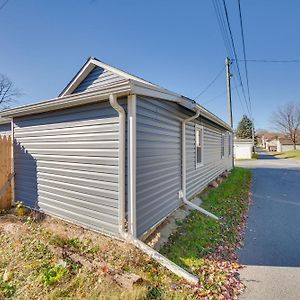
(119,72)
(214,118)
(75,82)
(4,120)
(142,89)
(122,89)
(89,66)
(139,88)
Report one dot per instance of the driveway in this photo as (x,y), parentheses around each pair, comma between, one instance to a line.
(271,252)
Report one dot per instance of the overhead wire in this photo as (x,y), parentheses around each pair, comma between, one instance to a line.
(211,83)
(222,27)
(219,95)
(235,56)
(271,61)
(245,56)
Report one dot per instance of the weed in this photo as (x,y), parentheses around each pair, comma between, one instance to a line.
(52,275)
(178,222)
(155,293)
(7,290)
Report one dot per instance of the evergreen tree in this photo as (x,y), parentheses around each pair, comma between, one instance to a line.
(244,128)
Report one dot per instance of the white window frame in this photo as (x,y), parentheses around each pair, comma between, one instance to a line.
(222,145)
(199,128)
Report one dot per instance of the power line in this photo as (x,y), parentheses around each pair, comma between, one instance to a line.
(244,54)
(270,61)
(3,4)
(239,96)
(219,95)
(222,27)
(235,55)
(211,83)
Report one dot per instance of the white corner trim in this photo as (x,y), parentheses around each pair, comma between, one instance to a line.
(131,153)
(113,100)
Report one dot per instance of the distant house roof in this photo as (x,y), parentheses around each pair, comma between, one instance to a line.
(243,140)
(269,136)
(287,141)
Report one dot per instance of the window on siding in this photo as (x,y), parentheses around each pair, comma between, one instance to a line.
(222,146)
(229,144)
(199,145)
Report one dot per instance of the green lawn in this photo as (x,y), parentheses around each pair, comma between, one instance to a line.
(207,247)
(45,258)
(294,154)
(254,157)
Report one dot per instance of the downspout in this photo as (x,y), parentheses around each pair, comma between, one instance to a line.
(122,121)
(183,177)
(127,236)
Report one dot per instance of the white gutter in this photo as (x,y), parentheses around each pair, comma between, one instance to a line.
(183,177)
(122,121)
(122,89)
(129,237)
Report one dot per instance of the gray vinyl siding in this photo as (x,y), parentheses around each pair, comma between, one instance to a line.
(5,129)
(98,78)
(66,164)
(159,159)
(213,163)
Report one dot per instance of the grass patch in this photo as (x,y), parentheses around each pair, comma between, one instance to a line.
(52,275)
(294,154)
(254,157)
(202,243)
(31,267)
(6,290)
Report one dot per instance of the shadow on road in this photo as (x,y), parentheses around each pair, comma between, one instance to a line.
(264,155)
(273,230)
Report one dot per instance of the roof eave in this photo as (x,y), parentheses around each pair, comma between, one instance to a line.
(78,99)
(161,93)
(4,121)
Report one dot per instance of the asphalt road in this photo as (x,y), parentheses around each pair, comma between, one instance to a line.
(271,252)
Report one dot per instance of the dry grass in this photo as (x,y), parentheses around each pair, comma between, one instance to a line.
(294,154)
(31,254)
(46,258)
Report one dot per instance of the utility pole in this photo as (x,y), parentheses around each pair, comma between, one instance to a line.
(253,136)
(228,76)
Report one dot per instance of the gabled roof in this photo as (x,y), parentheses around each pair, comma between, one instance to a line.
(130,85)
(90,64)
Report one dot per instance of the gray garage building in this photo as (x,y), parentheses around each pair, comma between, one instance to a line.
(113,149)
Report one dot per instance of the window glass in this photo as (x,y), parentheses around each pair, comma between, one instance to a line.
(199,146)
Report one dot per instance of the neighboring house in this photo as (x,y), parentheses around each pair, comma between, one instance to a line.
(269,140)
(271,145)
(111,150)
(285,144)
(243,148)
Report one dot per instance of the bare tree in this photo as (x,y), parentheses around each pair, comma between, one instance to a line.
(8,92)
(287,120)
